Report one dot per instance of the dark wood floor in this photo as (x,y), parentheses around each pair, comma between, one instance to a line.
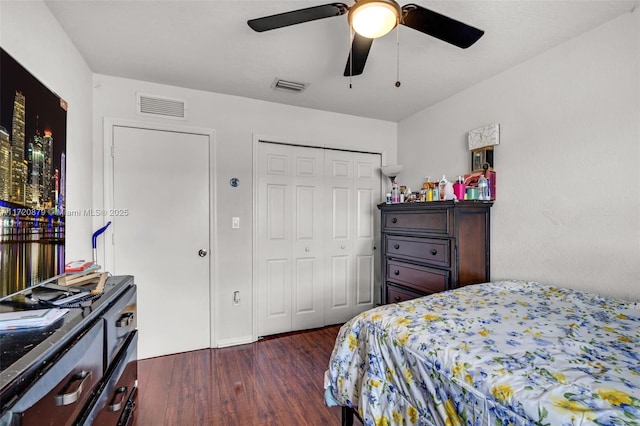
(275,381)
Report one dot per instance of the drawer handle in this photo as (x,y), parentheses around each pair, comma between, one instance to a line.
(71,397)
(396,246)
(122,393)
(396,299)
(394,220)
(125,320)
(396,272)
(434,252)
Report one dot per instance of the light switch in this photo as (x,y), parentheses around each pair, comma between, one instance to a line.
(235,223)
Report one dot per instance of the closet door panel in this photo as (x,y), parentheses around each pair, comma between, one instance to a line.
(273,285)
(367,182)
(307,243)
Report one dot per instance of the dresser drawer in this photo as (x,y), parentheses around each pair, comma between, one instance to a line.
(424,250)
(420,278)
(399,294)
(61,393)
(120,320)
(116,399)
(436,221)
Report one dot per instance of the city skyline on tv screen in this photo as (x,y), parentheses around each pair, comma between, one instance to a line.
(32,178)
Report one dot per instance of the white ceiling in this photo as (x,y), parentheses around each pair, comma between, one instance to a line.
(207,45)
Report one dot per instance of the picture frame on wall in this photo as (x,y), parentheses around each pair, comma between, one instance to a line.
(480,157)
(33,128)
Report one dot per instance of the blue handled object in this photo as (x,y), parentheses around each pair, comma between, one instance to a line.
(94,240)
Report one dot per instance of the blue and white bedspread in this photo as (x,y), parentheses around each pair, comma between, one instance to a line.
(501,353)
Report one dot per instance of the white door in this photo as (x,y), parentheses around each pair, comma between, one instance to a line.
(290,255)
(161,181)
(352,182)
(315,236)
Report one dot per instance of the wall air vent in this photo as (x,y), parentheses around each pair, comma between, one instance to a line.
(158,106)
(288,86)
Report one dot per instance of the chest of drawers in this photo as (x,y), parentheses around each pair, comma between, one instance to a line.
(81,370)
(432,247)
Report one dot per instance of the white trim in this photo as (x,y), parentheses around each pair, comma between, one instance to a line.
(254,242)
(109,124)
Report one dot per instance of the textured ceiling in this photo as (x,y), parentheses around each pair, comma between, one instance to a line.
(207,45)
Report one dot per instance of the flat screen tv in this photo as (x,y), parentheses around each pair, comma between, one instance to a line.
(33,136)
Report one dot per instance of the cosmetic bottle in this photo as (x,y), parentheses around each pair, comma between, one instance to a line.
(483,188)
(395,193)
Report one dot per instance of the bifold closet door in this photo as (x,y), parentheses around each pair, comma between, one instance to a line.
(290,242)
(316,237)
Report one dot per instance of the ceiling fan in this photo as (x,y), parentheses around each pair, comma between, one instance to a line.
(371,19)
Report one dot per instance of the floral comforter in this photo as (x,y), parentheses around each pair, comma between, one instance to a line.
(501,353)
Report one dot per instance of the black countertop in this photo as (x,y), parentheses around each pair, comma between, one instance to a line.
(24,353)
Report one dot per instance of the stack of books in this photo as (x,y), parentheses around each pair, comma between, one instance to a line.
(78,266)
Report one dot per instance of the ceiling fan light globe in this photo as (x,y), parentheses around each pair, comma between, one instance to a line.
(373,19)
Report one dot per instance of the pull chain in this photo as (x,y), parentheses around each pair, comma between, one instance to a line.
(398,56)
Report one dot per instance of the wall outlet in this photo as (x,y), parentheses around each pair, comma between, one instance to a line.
(235,223)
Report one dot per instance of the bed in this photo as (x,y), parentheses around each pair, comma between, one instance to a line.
(498,353)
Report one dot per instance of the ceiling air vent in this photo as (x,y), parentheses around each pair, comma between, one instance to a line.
(288,86)
(161,107)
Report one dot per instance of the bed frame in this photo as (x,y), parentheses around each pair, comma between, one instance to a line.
(347,416)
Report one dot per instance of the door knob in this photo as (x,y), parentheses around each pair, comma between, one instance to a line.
(202,252)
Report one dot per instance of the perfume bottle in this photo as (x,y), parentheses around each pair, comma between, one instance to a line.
(395,193)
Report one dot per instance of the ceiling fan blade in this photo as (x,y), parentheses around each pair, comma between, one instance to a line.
(359,51)
(297,16)
(439,26)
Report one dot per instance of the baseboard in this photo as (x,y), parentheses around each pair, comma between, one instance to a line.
(235,341)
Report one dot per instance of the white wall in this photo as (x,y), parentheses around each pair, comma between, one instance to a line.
(568,195)
(33,37)
(236,120)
